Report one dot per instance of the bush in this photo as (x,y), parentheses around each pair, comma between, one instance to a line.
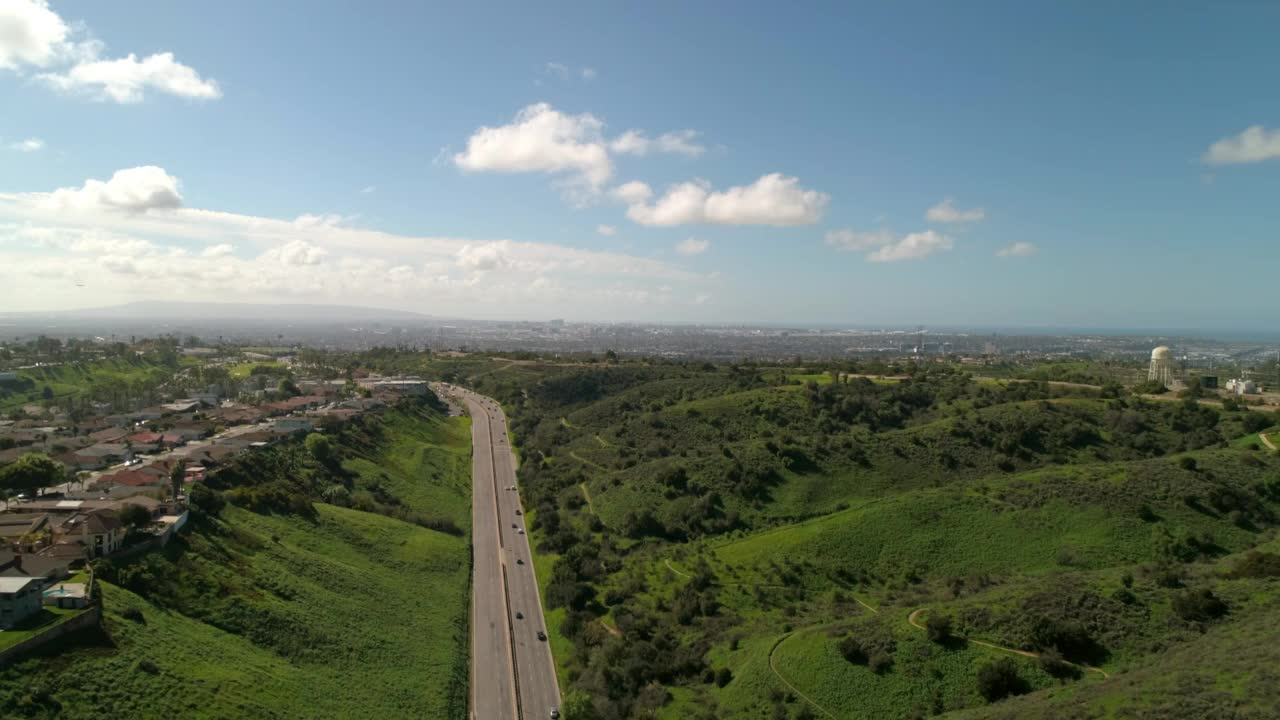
(999,679)
(723,677)
(1257,565)
(938,628)
(1198,605)
(1052,662)
(1187,463)
(135,615)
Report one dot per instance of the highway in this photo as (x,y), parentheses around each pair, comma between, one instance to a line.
(512,672)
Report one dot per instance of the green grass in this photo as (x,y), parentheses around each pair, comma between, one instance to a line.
(423,458)
(274,617)
(99,380)
(48,618)
(241,371)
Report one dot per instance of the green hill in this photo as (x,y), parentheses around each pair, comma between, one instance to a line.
(730,543)
(301,610)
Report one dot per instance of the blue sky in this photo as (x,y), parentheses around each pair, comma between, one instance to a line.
(1099,162)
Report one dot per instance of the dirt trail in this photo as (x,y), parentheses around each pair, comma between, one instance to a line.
(913,619)
(1266,440)
(773,667)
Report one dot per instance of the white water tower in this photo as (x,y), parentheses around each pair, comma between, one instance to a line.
(1161,366)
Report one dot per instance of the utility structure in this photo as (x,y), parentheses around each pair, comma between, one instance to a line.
(1161,366)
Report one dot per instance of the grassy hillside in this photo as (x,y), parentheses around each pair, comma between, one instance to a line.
(750,542)
(302,610)
(104,380)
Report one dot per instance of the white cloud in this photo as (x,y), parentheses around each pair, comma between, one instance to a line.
(774,199)
(299,252)
(369,189)
(856,241)
(217,251)
(33,35)
(541,139)
(635,142)
(28,145)
(607,230)
(126,79)
(884,246)
(483,257)
(633,193)
(30,34)
(692,246)
(588,73)
(1018,249)
(135,190)
(1254,144)
(947,212)
(560,70)
(912,247)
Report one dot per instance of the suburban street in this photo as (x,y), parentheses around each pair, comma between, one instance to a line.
(512,671)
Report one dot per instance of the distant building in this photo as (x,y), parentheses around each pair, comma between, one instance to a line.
(1242,386)
(8,376)
(1209,382)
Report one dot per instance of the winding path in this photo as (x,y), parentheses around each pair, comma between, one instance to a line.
(913,619)
(1267,441)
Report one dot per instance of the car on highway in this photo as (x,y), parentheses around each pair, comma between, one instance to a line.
(518,512)
(519,615)
(519,561)
(554,713)
(542,635)
(513,525)
(520,531)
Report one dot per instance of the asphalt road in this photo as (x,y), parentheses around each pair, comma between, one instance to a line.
(512,671)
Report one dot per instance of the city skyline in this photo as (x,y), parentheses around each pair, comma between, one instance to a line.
(978,166)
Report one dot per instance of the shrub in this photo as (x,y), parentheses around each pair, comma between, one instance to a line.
(1257,565)
(135,615)
(723,677)
(1198,605)
(938,628)
(999,679)
(1187,463)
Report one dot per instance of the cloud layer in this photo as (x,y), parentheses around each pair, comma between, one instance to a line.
(133,237)
(1018,249)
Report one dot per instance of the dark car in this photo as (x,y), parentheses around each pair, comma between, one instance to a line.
(519,561)
(519,615)
(542,635)
(518,511)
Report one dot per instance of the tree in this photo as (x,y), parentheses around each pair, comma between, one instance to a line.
(938,628)
(205,500)
(135,516)
(577,706)
(177,477)
(1199,605)
(999,679)
(289,388)
(31,473)
(319,447)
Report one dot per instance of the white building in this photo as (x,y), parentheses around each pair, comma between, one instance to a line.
(1241,386)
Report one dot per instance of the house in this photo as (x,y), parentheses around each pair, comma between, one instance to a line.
(48,569)
(151,413)
(289,426)
(173,439)
(110,435)
(132,478)
(72,552)
(145,438)
(20,598)
(68,596)
(101,531)
(23,530)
